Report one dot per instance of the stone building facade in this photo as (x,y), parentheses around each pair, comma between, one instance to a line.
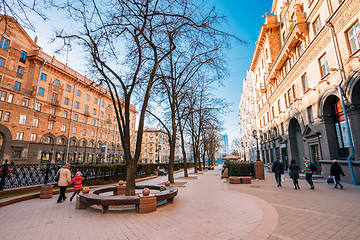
(306,51)
(155,147)
(48,111)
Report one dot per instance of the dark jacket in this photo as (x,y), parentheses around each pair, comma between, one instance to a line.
(294,171)
(278,167)
(336,170)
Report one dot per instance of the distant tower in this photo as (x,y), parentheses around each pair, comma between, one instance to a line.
(226,144)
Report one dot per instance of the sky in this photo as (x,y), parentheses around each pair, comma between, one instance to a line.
(245,18)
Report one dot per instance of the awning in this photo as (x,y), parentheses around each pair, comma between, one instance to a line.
(61,152)
(231,157)
(46,151)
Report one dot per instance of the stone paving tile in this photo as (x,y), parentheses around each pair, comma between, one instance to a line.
(204,209)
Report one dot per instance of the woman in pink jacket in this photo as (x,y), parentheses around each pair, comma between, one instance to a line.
(77,181)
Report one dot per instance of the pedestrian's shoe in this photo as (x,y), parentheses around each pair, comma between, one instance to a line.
(71,199)
(295,188)
(335,186)
(298,187)
(58,201)
(312,187)
(341,186)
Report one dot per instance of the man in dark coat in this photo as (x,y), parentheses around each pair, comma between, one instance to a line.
(278,169)
(335,171)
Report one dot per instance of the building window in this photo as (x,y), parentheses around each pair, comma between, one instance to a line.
(317,25)
(290,96)
(63,128)
(51,125)
(99,134)
(286,101)
(35,122)
(41,92)
(102,114)
(75,117)
(52,110)
(101,124)
(23,56)
(94,111)
(87,97)
(43,77)
(74,130)
(304,81)
(78,93)
(17,153)
(92,133)
(93,122)
(113,118)
(33,137)
(38,106)
(66,101)
(65,114)
(2,62)
(57,83)
(84,132)
(6,116)
(77,105)
(22,120)
(95,100)
(19,135)
(4,43)
(10,98)
(109,106)
(17,85)
(68,88)
(86,108)
(25,102)
(102,104)
(85,120)
(324,66)
(2,96)
(300,48)
(310,114)
(54,96)
(353,35)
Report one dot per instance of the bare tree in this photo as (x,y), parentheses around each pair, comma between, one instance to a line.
(236,146)
(126,41)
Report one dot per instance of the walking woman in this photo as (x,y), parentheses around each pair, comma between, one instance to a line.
(294,173)
(64,180)
(336,170)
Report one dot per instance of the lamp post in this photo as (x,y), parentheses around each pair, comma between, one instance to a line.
(255,135)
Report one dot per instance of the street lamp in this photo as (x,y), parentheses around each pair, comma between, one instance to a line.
(255,135)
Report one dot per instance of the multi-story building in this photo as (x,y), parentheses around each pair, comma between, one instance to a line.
(155,146)
(247,115)
(48,111)
(306,51)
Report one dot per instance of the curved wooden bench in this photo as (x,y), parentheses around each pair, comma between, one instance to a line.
(86,200)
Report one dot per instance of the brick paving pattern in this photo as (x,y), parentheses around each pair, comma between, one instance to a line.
(206,208)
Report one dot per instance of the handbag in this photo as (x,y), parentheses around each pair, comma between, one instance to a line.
(330,180)
(57,176)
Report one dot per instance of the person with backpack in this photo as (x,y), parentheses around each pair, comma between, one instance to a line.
(278,169)
(335,171)
(309,169)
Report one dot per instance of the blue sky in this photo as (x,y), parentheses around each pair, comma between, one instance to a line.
(244,20)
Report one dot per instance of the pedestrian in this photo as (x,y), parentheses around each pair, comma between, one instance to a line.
(335,171)
(294,173)
(309,169)
(278,169)
(77,181)
(64,180)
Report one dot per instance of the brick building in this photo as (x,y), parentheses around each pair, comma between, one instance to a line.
(48,110)
(155,147)
(305,49)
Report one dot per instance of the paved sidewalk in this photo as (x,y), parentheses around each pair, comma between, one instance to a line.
(203,209)
(323,213)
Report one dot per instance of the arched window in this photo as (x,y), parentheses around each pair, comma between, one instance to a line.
(341,131)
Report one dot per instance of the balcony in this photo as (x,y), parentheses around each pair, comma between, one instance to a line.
(263,88)
(108,120)
(87,114)
(55,103)
(19,75)
(52,118)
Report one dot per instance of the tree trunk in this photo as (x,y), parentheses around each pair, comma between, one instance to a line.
(184,153)
(171,161)
(130,176)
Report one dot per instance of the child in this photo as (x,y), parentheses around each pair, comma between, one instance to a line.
(77,180)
